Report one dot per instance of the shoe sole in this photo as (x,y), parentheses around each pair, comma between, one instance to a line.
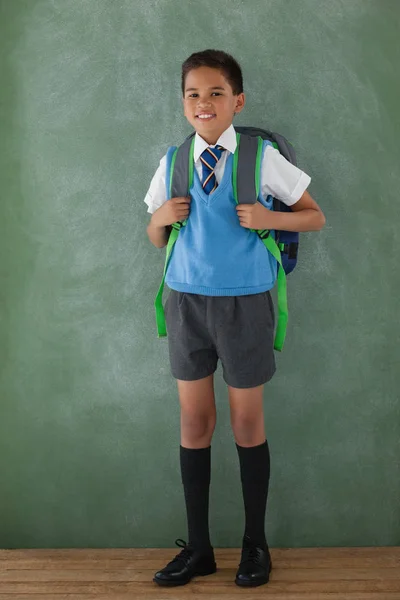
(166,583)
(254,583)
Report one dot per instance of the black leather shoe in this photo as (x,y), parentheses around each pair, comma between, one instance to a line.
(255,565)
(187,564)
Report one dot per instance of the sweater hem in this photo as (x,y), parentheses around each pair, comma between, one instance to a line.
(210,291)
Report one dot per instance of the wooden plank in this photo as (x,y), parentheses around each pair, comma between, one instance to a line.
(145,553)
(138,574)
(186,594)
(211,586)
(156,558)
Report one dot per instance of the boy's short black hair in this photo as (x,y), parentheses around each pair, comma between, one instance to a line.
(216,59)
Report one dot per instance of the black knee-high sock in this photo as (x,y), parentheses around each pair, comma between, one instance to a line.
(254,472)
(196,476)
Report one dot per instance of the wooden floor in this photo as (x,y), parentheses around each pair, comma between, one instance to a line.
(306,574)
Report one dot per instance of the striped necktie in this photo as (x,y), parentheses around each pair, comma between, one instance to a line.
(209,159)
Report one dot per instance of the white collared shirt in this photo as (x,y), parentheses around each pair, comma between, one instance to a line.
(279,178)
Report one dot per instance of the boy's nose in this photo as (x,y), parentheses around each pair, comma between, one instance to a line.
(204,103)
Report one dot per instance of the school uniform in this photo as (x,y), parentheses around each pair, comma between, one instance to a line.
(220,273)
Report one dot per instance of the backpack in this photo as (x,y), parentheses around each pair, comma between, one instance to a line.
(283,245)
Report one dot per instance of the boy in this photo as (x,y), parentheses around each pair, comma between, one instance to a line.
(220,307)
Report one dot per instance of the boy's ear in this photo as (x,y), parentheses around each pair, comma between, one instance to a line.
(240,102)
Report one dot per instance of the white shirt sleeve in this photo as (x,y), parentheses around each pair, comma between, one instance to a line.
(156,195)
(281,179)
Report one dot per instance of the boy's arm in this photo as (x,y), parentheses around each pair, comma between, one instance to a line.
(283,180)
(306,215)
(158,235)
(159,228)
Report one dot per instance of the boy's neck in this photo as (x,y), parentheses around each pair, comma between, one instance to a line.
(211,141)
(212,138)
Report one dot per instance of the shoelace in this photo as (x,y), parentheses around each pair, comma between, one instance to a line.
(185,554)
(250,555)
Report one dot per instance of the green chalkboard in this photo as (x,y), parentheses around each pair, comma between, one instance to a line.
(89,417)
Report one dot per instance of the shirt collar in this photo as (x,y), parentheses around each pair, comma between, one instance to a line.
(227,139)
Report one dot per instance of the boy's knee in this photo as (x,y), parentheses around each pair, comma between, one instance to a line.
(248,431)
(197,428)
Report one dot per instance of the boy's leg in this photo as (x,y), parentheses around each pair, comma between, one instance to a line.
(194,360)
(244,327)
(198,418)
(247,418)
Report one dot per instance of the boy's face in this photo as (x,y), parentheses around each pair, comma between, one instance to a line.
(208,93)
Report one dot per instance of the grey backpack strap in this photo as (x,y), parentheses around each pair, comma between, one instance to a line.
(246,164)
(180,184)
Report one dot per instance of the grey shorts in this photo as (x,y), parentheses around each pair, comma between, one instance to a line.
(239,330)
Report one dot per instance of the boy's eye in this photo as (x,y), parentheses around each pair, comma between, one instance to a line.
(195,95)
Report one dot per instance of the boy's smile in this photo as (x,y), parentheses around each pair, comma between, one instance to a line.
(209,102)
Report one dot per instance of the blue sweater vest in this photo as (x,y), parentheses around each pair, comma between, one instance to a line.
(214,255)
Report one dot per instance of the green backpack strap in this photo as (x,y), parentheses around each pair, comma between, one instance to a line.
(179,184)
(246,188)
